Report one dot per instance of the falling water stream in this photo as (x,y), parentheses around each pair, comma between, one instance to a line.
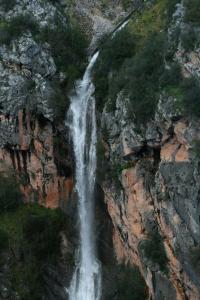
(86,281)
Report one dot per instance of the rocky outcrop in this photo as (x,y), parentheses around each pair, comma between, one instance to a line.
(153,182)
(32,156)
(29,142)
(100,17)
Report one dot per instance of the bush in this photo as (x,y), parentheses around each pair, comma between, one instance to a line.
(154,250)
(130,284)
(40,233)
(15,27)
(10,195)
(171,76)
(146,67)
(68,46)
(192,14)
(59,101)
(171,7)
(186,90)
(191,97)
(34,246)
(189,39)
(190,36)
(3,240)
(7,4)
(112,55)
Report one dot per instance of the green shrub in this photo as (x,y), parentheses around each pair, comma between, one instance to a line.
(40,233)
(171,76)
(191,97)
(59,101)
(130,284)
(10,195)
(112,55)
(146,67)
(15,27)
(3,240)
(126,3)
(155,251)
(186,90)
(192,14)
(171,7)
(189,39)
(7,4)
(68,47)
(34,245)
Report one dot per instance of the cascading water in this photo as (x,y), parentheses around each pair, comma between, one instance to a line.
(86,281)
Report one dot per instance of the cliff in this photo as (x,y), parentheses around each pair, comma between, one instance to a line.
(147,194)
(149,155)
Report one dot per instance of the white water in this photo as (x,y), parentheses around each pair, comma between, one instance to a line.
(86,281)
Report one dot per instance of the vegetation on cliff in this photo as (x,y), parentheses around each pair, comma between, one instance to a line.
(67,44)
(130,284)
(138,69)
(154,250)
(30,237)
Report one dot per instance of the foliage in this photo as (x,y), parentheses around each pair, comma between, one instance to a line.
(7,4)
(171,75)
(190,36)
(191,96)
(59,101)
(34,244)
(146,67)
(130,284)
(68,46)
(154,250)
(171,7)
(113,53)
(192,14)
(13,28)
(189,39)
(126,3)
(186,90)
(10,196)
(142,62)
(151,21)
(3,240)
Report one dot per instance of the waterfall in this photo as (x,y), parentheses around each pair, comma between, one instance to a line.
(86,280)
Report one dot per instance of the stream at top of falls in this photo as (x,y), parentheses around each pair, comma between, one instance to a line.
(86,280)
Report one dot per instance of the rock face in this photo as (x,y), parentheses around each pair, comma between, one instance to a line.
(28,138)
(99,17)
(33,157)
(156,186)
(152,189)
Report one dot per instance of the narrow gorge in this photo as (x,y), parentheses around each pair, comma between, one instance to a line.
(99,157)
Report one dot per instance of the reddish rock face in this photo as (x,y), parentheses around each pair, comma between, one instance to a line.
(131,206)
(33,159)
